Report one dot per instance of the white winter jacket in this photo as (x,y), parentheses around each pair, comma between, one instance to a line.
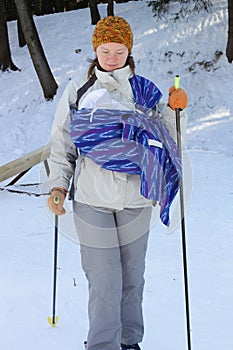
(94,185)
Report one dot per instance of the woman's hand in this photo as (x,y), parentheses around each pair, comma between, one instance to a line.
(177,98)
(56,200)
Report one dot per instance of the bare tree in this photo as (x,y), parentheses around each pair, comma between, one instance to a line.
(35,48)
(229,48)
(42,7)
(110,8)
(21,38)
(95,15)
(5,53)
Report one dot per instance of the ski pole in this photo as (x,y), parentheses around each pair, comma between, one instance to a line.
(53,320)
(185,265)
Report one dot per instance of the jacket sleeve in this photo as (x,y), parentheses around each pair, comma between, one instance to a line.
(63,152)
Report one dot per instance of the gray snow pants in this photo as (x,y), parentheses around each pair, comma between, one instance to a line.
(113,247)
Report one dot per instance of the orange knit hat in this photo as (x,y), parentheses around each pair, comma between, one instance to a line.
(112,30)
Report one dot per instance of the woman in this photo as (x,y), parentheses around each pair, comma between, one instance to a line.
(111,215)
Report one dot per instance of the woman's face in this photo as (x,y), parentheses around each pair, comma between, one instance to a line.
(112,56)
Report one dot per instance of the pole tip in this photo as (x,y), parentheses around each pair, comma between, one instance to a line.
(52,321)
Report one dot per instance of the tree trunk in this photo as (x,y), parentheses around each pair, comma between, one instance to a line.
(35,48)
(43,7)
(110,9)
(95,15)
(59,5)
(47,7)
(5,53)
(38,8)
(10,9)
(21,38)
(229,49)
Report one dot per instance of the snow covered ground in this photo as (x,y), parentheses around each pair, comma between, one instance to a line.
(161,50)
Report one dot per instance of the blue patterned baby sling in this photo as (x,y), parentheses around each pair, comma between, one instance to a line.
(131,142)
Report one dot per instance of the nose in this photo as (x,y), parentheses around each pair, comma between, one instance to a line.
(112,55)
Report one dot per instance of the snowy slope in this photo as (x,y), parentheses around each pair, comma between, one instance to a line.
(161,49)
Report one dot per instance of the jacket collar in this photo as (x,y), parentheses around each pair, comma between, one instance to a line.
(116,78)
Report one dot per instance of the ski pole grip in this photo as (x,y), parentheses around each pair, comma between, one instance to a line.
(56,200)
(177,82)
